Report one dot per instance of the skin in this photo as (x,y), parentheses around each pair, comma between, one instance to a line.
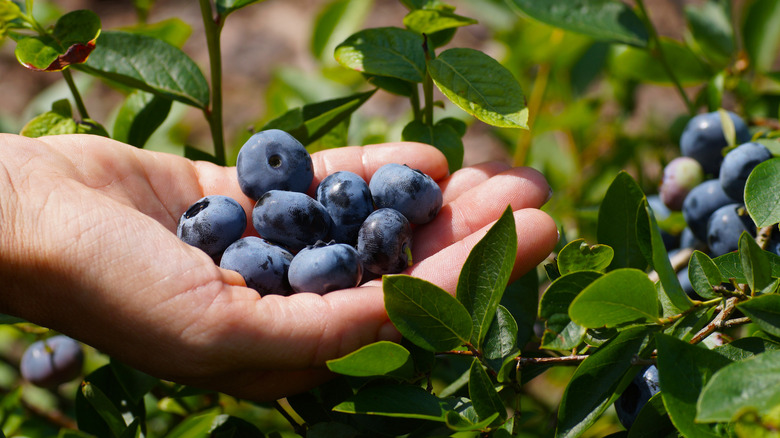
(88,248)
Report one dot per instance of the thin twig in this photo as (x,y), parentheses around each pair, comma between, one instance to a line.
(565,360)
(299,429)
(716,323)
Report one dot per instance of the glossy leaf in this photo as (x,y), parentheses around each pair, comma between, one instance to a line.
(560,332)
(501,338)
(683,370)
(385,51)
(730,266)
(60,121)
(620,297)
(71,42)
(753,383)
(617,222)
(652,244)
(440,135)
(599,380)
(760,33)
(762,193)
(710,26)
(745,348)
(406,401)
(225,7)
(150,65)
(194,426)
(139,116)
(704,275)
(764,310)
(428,21)
(577,255)
(640,64)
(377,359)
(134,383)
(103,406)
(604,20)
(426,314)
(312,121)
(484,396)
(481,86)
(652,421)
(521,299)
(485,274)
(755,263)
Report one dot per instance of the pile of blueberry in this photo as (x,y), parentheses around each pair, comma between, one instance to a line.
(708,186)
(351,231)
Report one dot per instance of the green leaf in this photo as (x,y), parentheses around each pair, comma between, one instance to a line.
(649,238)
(755,263)
(384,51)
(745,348)
(426,314)
(77,27)
(377,359)
(704,275)
(604,20)
(710,26)
(49,123)
(428,21)
(150,65)
(501,338)
(764,310)
(577,255)
(760,33)
(228,426)
(599,380)
(620,297)
(173,31)
(441,135)
(762,193)
(134,383)
(481,86)
(405,401)
(483,395)
(71,42)
(561,333)
(225,7)
(485,273)
(310,122)
(753,383)
(139,116)
(683,370)
(103,406)
(617,222)
(392,85)
(640,64)
(197,425)
(652,421)
(521,298)
(730,266)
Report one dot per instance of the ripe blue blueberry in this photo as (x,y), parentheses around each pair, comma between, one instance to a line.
(725,226)
(384,242)
(212,224)
(409,191)
(703,139)
(273,160)
(325,267)
(291,219)
(348,200)
(738,164)
(700,203)
(636,395)
(263,265)
(52,362)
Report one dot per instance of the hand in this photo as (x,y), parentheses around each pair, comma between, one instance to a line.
(88,248)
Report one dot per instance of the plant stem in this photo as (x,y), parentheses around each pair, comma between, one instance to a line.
(716,323)
(427,85)
(75,92)
(564,360)
(213,29)
(299,429)
(659,52)
(415,100)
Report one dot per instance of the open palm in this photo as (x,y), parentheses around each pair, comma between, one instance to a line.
(88,247)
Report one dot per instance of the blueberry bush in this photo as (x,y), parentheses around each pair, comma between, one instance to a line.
(658,315)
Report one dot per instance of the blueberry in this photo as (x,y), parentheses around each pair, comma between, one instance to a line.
(52,362)
(384,242)
(662,213)
(688,240)
(291,219)
(348,200)
(681,175)
(738,164)
(325,267)
(703,139)
(700,203)
(263,265)
(212,224)
(273,160)
(725,226)
(409,191)
(636,395)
